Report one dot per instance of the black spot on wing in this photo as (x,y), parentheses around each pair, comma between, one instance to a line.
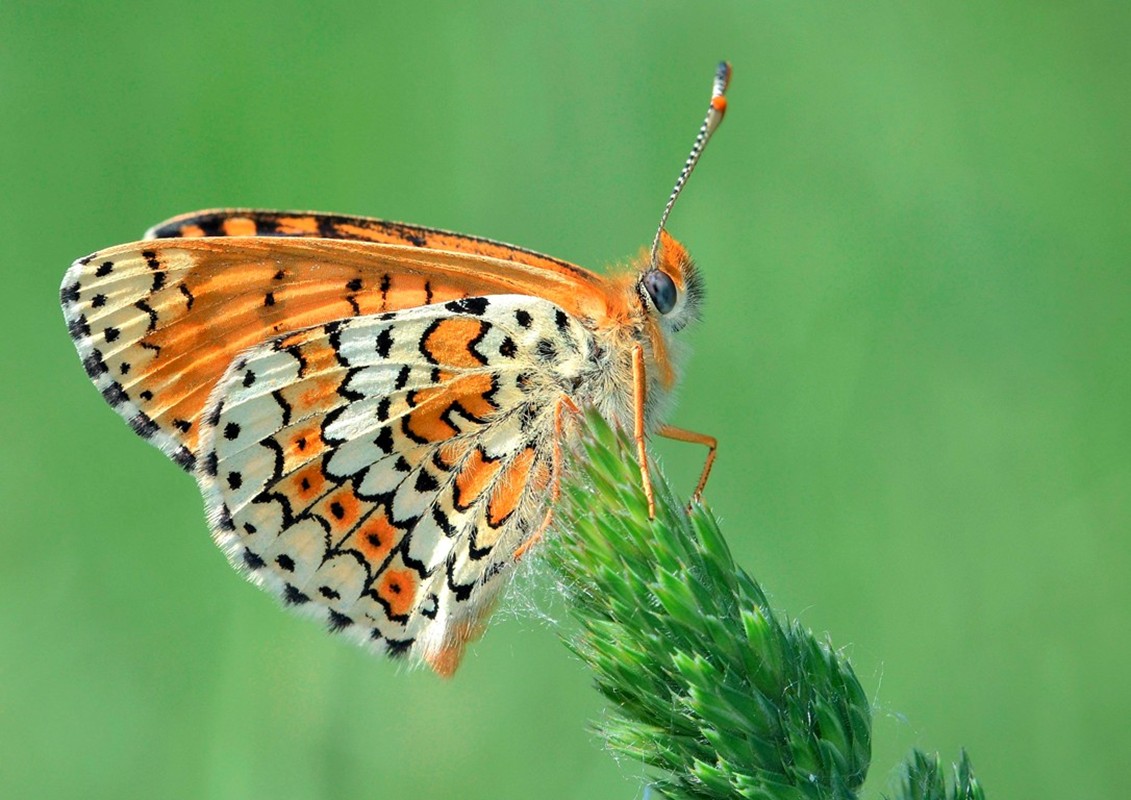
(143,426)
(476,306)
(79,328)
(293,597)
(115,395)
(214,414)
(425,483)
(251,560)
(397,649)
(185,459)
(94,365)
(384,440)
(70,294)
(384,342)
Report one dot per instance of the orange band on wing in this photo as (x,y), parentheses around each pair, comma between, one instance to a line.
(504,500)
(239,226)
(297,226)
(474,478)
(451,340)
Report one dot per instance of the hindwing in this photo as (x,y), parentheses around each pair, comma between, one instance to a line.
(382,471)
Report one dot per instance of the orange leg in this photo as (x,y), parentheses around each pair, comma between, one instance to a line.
(638,389)
(710,442)
(555,475)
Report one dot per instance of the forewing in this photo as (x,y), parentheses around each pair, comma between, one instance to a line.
(382,471)
(157,323)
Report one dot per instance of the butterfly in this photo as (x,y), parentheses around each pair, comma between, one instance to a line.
(376,412)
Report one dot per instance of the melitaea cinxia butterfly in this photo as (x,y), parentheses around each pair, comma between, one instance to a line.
(375,411)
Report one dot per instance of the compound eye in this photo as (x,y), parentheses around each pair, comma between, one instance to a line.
(661,288)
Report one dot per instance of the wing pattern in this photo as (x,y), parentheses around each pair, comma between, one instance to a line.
(381,471)
(157,323)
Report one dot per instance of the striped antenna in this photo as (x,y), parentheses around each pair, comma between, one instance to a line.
(715,113)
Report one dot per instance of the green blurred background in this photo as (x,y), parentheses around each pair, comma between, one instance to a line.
(915,227)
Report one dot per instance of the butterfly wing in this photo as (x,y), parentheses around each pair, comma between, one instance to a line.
(157,323)
(382,471)
(313,224)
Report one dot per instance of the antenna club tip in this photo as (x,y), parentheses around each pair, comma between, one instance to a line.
(723,74)
(714,117)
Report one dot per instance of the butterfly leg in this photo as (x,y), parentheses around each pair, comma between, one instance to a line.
(565,403)
(691,437)
(638,390)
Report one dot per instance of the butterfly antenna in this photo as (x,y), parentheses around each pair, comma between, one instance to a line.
(715,113)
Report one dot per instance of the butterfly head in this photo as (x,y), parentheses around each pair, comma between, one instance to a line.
(670,287)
